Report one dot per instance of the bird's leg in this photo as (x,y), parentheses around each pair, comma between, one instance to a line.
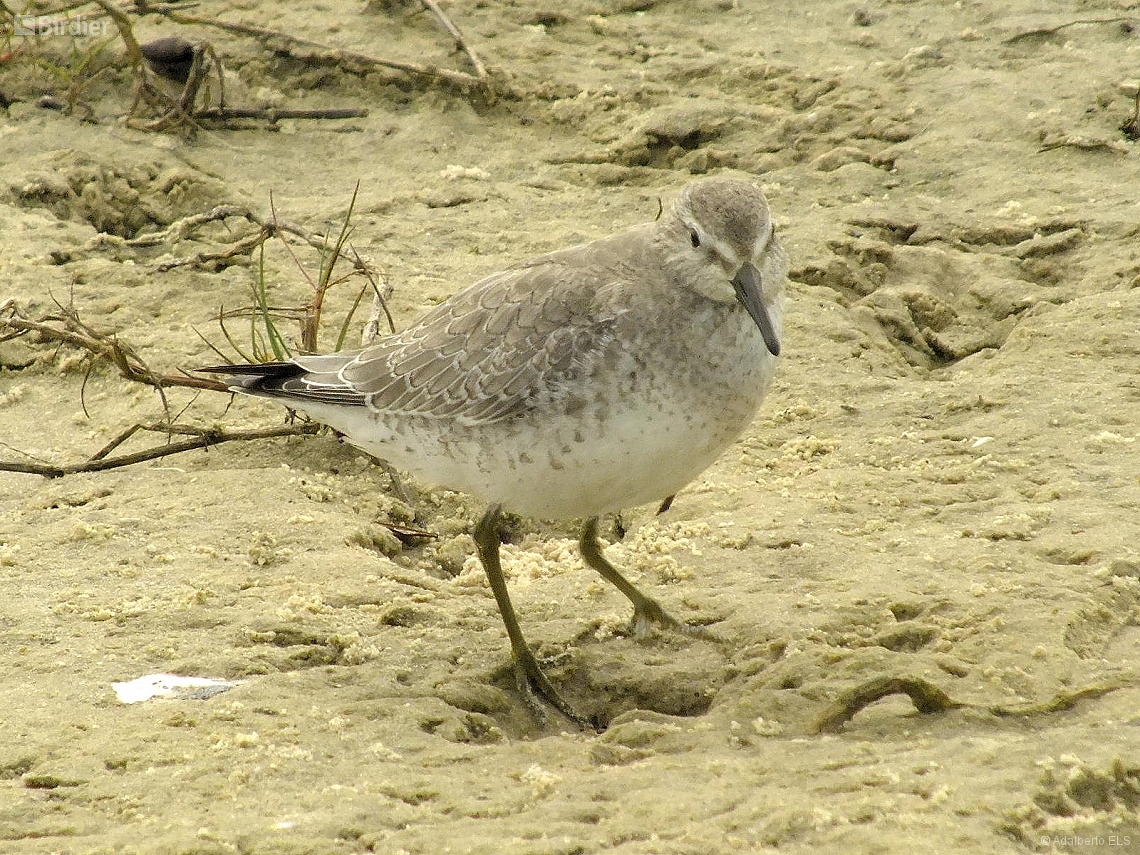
(532,683)
(646,610)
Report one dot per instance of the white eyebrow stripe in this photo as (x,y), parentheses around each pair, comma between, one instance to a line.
(763,239)
(720,248)
(724,251)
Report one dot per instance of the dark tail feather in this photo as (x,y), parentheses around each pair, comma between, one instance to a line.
(285,381)
(264,378)
(278,370)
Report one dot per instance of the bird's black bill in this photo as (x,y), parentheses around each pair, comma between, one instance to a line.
(747,285)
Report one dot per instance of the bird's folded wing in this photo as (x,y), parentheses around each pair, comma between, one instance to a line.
(485,355)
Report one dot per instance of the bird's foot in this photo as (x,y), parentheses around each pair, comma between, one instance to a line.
(649,613)
(538,693)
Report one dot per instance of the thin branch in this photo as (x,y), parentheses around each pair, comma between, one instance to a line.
(126,33)
(67,328)
(199,438)
(276,114)
(244,246)
(371,330)
(180,229)
(290,44)
(476,63)
(1042,32)
(928,698)
(1055,141)
(1131,125)
(121,437)
(177,112)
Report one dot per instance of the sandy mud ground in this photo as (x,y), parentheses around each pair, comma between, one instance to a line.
(943,485)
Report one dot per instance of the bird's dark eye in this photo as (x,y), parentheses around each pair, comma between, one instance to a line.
(695,238)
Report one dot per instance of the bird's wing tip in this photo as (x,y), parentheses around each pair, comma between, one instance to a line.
(254,369)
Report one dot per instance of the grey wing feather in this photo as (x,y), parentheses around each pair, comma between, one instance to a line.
(483,356)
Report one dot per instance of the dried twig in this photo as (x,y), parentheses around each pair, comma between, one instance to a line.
(928,698)
(1131,125)
(275,114)
(126,33)
(44,22)
(1042,32)
(371,330)
(476,63)
(332,250)
(198,438)
(177,61)
(1056,141)
(1058,703)
(184,227)
(190,65)
(65,327)
(296,46)
(242,247)
(181,228)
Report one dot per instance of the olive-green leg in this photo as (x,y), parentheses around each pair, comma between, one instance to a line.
(532,683)
(646,610)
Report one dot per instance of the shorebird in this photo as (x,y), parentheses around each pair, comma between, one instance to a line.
(570,385)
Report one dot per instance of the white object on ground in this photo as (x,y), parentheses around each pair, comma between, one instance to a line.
(171,686)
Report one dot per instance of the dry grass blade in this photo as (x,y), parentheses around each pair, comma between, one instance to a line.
(265,338)
(329,258)
(371,330)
